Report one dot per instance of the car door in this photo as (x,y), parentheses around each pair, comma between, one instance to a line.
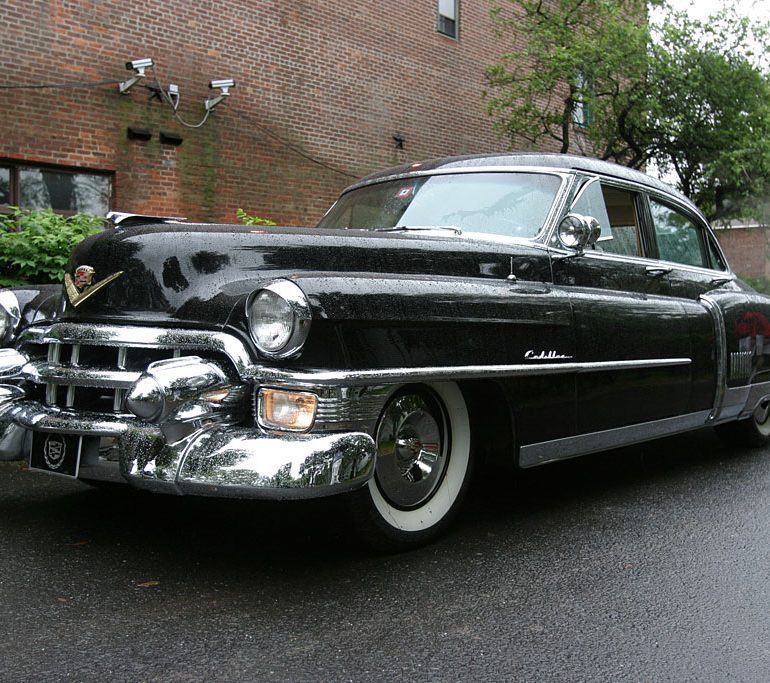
(624,313)
(723,334)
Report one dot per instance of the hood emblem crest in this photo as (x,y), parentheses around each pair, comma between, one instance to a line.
(79,287)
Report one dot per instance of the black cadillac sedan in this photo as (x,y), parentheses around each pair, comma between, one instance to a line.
(529,308)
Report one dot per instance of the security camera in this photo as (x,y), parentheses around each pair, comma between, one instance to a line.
(139,64)
(223,84)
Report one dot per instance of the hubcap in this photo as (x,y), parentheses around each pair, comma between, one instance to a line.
(411,450)
(762,417)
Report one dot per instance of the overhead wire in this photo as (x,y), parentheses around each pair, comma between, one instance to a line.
(294,148)
(166,99)
(245,117)
(40,86)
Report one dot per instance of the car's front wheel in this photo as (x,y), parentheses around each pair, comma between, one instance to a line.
(422,469)
(752,432)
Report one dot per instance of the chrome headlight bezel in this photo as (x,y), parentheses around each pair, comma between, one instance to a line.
(296,313)
(10,315)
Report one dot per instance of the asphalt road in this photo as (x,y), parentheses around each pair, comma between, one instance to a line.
(650,563)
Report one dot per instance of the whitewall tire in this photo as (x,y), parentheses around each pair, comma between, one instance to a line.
(753,432)
(422,470)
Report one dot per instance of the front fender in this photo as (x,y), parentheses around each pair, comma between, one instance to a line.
(415,320)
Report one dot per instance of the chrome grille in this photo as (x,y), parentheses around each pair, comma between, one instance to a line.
(93,378)
(89,368)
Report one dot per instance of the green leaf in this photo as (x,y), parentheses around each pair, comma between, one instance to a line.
(35,245)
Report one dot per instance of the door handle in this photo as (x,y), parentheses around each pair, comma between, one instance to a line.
(657,271)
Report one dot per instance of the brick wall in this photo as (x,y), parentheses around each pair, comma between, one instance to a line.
(331,80)
(747,250)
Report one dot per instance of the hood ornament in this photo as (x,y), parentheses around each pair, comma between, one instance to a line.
(79,287)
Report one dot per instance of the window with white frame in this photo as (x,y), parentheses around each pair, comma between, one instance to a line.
(447,17)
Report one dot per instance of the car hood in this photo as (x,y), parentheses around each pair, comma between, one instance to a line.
(196,275)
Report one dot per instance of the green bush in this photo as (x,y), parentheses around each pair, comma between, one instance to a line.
(761,284)
(247,219)
(35,244)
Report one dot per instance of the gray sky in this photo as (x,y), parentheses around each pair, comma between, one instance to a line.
(757,9)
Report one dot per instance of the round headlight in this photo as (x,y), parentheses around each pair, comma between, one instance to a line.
(9,316)
(272,321)
(279,319)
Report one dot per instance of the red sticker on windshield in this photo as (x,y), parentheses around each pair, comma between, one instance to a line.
(405,192)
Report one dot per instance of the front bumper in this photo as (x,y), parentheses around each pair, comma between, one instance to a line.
(205,457)
(210,461)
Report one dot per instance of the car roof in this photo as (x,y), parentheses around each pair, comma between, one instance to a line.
(568,162)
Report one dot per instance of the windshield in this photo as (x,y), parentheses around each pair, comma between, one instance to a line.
(506,203)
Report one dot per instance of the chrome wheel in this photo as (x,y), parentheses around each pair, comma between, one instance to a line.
(761,417)
(412,449)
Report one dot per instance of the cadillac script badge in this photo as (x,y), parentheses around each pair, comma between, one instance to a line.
(79,287)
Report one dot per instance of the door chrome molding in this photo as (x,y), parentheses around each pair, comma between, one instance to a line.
(275,376)
(574,446)
(720,349)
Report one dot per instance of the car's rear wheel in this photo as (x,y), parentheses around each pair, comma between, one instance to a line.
(752,432)
(422,469)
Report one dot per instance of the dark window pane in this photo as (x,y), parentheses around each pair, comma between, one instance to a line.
(5,185)
(447,17)
(43,188)
(447,26)
(679,239)
(615,210)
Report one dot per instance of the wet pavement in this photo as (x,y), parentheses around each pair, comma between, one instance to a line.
(649,563)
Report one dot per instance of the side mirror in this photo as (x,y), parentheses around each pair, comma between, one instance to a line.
(577,232)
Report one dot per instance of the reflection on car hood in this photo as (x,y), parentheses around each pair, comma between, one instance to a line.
(196,274)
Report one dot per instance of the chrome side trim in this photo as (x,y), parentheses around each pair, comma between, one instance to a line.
(752,396)
(573,446)
(720,342)
(150,337)
(274,376)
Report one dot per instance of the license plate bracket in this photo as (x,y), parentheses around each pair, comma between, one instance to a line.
(56,453)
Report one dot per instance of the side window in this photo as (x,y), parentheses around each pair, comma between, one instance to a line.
(679,239)
(615,209)
(5,185)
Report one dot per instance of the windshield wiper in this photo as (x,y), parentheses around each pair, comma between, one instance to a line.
(408,228)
